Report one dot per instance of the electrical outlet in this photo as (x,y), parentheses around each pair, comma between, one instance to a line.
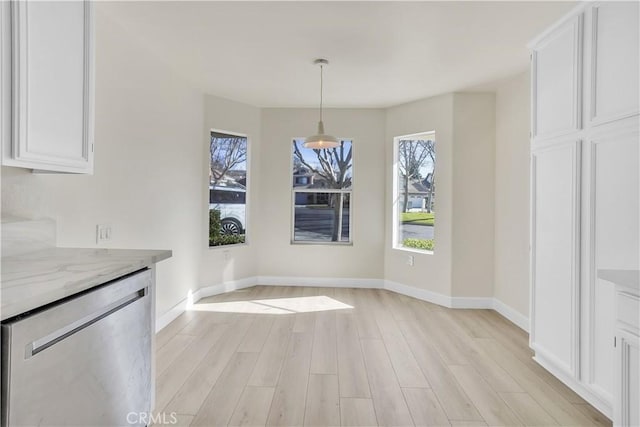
(226,255)
(409,260)
(103,233)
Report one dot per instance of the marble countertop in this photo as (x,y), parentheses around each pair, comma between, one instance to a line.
(38,278)
(628,278)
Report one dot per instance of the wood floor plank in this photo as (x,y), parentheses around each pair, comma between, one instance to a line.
(323,401)
(324,357)
(168,332)
(195,389)
(554,403)
(407,370)
(288,406)
(257,334)
(269,364)
(453,398)
(388,400)
(221,402)
(304,322)
(596,417)
(424,407)
(492,408)
(357,412)
(351,367)
(253,407)
(494,374)
(185,364)
(168,353)
(528,410)
(177,420)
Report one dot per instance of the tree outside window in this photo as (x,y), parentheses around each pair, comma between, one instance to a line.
(415,158)
(321,190)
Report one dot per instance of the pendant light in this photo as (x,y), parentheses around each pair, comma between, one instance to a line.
(321,140)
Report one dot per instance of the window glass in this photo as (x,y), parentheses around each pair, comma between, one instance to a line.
(322,181)
(227,189)
(415,192)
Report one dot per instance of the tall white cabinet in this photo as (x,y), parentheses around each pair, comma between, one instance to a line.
(585,186)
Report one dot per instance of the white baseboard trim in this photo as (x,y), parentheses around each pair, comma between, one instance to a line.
(511,314)
(421,294)
(230,286)
(164,319)
(320,282)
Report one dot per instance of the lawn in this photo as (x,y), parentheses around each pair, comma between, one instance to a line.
(418,218)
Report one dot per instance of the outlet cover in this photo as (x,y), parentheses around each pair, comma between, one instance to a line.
(410,260)
(103,233)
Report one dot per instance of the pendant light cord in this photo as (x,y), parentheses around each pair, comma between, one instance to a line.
(321,92)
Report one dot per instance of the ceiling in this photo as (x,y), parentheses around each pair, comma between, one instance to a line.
(380,53)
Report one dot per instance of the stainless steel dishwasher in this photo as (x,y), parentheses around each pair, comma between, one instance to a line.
(85,361)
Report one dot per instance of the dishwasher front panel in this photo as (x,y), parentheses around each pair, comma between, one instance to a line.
(83,362)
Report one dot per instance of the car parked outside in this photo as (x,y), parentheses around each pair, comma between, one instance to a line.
(231,202)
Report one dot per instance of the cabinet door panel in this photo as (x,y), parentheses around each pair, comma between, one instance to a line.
(614,245)
(557,73)
(555,266)
(52,74)
(615,54)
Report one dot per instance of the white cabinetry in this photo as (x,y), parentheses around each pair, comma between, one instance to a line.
(585,187)
(47,85)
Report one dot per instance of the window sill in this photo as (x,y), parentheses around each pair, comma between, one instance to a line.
(234,245)
(297,242)
(413,250)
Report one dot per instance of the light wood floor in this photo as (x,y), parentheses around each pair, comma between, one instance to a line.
(389,360)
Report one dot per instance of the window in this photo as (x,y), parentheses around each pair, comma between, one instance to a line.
(322,182)
(414,191)
(227,189)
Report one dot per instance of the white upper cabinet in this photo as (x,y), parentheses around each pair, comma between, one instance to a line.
(51,76)
(615,50)
(556,69)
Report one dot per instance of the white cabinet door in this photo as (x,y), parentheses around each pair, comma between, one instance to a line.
(52,75)
(615,50)
(555,260)
(556,74)
(615,185)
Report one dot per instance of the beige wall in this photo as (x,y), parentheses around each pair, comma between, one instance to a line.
(430,271)
(148,167)
(276,255)
(473,194)
(512,193)
(233,262)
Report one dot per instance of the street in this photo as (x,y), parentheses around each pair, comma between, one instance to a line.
(412,231)
(316,223)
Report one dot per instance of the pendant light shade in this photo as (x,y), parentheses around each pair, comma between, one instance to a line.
(321,140)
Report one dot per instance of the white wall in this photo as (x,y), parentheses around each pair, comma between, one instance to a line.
(233,262)
(148,166)
(430,271)
(512,193)
(473,194)
(276,255)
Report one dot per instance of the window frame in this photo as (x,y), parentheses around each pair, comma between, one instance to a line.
(395,228)
(341,191)
(247,203)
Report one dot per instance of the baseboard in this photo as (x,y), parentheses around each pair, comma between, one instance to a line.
(421,294)
(320,282)
(230,286)
(164,319)
(511,314)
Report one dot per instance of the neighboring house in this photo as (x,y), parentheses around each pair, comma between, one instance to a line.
(419,193)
